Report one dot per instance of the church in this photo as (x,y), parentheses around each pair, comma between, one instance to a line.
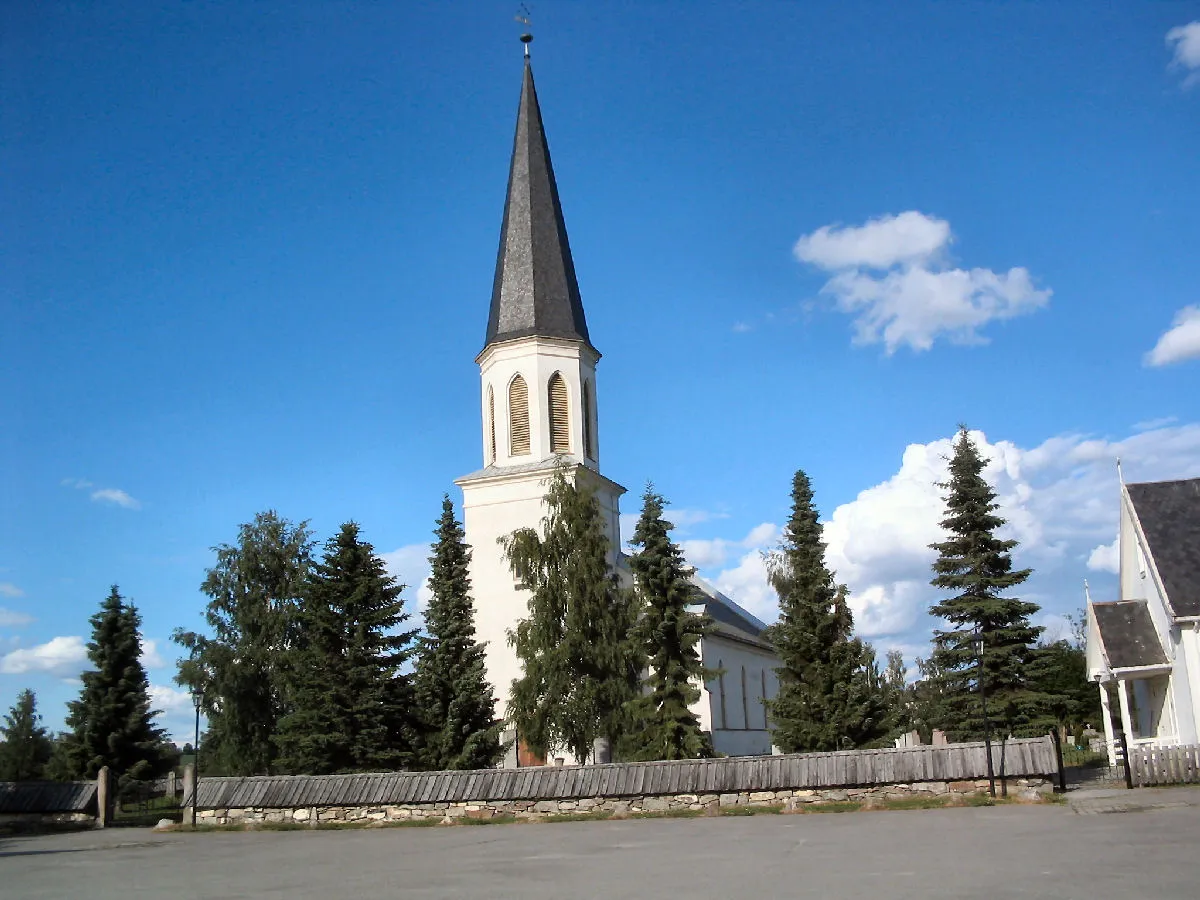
(539,409)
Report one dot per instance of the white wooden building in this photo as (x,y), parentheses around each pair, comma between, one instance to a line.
(539,409)
(1145,646)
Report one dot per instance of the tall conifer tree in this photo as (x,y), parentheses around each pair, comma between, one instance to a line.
(669,633)
(455,702)
(977,566)
(25,747)
(112,724)
(254,589)
(827,698)
(350,706)
(580,661)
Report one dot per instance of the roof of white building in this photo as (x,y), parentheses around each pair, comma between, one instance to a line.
(1169,513)
(1128,635)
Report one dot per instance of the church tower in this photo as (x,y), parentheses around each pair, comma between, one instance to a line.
(538,398)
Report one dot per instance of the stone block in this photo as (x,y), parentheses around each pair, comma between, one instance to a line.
(546,806)
(687,798)
(835,795)
(729,800)
(963,787)
(762,796)
(655,804)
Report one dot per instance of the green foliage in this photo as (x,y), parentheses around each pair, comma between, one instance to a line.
(349,705)
(828,696)
(976,565)
(254,589)
(669,634)
(455,702)
(26,747)
(1059,673)
(580,663)
(111,724)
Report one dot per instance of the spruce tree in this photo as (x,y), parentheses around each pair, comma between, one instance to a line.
(580,661)
(669,633)
(827,699)
(350,706)
(25,747)
(112,724)
(976,565)
(254,589)
(455,702)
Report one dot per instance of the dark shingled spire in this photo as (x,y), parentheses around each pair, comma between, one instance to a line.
(535,291)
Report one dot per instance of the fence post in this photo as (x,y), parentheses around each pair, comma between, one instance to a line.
(1058,755)
(189,794)
(104,797)
(1125,761)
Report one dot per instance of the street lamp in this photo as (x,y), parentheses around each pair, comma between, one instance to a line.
(987,728)
(197,701)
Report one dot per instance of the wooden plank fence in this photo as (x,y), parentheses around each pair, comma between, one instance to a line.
(848,768)
(47,796)
(1165,765)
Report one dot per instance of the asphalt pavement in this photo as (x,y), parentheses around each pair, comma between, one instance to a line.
(998,852)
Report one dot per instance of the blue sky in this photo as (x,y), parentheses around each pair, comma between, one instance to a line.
(248,251)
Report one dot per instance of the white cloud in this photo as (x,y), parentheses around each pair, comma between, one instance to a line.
(1181,342)
(169,700)
(1106,557)
(114,496)
(63,656)
(11,618)
(891,276)
(742,327)
(8,589)
(1060,498)
(707,553)
(410,564)
(151,658)
(117,497)
(1151,424)
(1184,42)
(880,244)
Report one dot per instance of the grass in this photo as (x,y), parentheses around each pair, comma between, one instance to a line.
(598,816)
(831,806)
(667,814)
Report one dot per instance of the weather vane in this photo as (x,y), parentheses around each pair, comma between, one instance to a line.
(523,16)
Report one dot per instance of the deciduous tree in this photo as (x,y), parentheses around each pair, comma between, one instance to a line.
(580,662)
(254,589)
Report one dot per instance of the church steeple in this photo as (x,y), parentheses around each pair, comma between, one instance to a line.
(535,293)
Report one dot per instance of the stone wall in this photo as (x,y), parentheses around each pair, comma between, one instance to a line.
(1027,788)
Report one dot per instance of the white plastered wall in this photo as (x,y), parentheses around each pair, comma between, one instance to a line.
(536,359)
(732,734)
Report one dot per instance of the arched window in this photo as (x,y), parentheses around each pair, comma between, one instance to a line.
(589,447)
(491,426)
(518,417)
(560,430)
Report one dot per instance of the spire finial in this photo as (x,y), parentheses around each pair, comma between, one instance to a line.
(523,16)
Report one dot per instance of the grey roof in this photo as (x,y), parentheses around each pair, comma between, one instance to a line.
(1128,634)
(47,796)
(535,291)
(730,618)
(1169,513)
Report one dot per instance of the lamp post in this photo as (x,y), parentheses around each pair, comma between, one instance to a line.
(987,728)
(197,701)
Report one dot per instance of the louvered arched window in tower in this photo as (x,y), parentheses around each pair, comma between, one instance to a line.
(589,443)
(518,417)
(491,426)
(560,430)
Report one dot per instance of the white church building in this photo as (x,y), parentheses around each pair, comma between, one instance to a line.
(1145,646)
(538,408)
